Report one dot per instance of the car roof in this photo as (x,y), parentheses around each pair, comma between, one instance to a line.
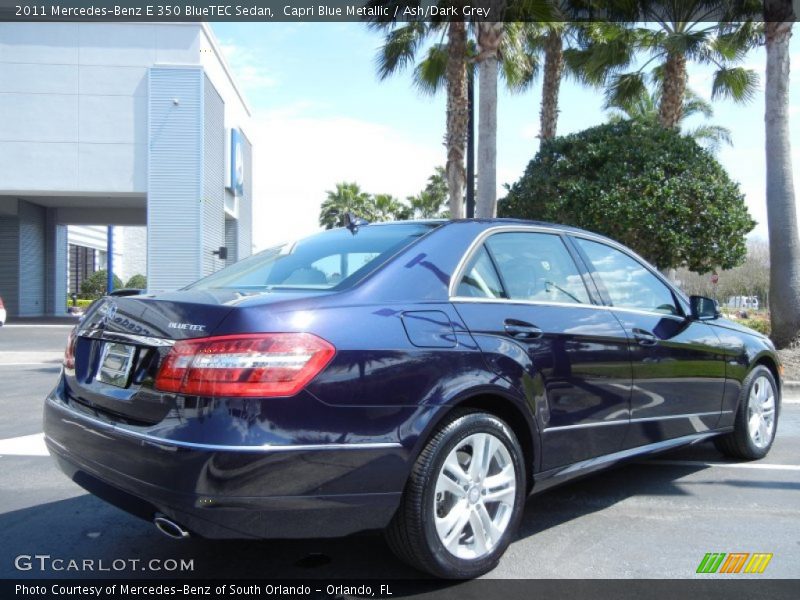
(495,222)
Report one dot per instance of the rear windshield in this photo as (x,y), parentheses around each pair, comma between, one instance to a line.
(327,260)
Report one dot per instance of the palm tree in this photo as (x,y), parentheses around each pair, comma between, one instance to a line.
(443,61)
(784,297)
(645,109)
(490,36)
(429,203)
(681,32)
(347,197)
(386,207)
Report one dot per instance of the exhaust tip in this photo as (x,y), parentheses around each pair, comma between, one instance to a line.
(170,528)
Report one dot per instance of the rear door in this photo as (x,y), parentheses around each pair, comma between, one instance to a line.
(527,304)
(678,369)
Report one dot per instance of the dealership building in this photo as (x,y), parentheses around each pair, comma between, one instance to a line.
(137,127)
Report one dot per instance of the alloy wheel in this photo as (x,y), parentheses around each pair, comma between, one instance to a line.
(761,412)
(475,495)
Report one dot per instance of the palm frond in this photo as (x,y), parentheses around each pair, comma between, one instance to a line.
(399,48)
(623,89)
(711,136)
(694,104)
(737,83)
(430,74)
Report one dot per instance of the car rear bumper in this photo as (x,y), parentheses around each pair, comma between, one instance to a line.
(228,491)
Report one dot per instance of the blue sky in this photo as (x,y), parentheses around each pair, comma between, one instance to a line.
(321,115)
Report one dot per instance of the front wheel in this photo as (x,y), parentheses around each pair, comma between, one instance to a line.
(464,498)
(756,419)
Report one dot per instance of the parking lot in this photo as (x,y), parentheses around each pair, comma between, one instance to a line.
(650,519)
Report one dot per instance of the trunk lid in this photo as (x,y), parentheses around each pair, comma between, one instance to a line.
(122,341)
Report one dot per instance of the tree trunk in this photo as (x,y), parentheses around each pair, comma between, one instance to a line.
(457,116)
(489,37)
(553,68)
(784,244)
(673,91)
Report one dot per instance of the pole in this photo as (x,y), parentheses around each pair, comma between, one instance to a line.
(470,145)
(110,260)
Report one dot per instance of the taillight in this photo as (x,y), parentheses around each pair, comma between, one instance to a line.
(257,365)
(69,351)
(1,303)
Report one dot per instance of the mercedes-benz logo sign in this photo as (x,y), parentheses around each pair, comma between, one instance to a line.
(109,313)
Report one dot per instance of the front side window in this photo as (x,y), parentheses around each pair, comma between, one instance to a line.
(532,266)
(628,282)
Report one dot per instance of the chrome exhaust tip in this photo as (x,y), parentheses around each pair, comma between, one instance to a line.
(170,528)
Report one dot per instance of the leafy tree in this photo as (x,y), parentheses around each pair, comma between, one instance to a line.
(781,206)
(651,188)
(94,286)
(347,197)
(137,281)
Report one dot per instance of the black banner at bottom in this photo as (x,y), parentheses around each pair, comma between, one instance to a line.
(483,589)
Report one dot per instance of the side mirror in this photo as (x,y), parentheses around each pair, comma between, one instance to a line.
(704,309)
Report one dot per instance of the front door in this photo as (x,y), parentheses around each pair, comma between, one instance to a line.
(678,370)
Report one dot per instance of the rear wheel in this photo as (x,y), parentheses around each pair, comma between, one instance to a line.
(464,499)
(756,419)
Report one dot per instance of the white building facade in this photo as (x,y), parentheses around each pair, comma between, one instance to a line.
(123,124)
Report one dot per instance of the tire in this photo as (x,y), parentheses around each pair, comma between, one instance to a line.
(434,509)
(746,442)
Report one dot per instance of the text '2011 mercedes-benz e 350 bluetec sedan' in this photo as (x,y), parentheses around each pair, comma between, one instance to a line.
(421,377)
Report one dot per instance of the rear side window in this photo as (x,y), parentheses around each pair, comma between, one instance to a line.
(628,283)
(537,267)
(480,279)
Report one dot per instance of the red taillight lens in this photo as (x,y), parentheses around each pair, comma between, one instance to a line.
(1,303)
(258,365)
(69,351)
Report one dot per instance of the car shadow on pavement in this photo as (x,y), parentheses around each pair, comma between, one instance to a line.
(604,489)
(85,527)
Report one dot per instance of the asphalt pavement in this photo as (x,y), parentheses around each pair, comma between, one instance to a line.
(652,519)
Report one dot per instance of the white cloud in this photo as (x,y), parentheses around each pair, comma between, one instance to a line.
(298,157)
(250,72)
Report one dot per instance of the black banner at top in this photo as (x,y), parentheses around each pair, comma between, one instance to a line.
(398,10)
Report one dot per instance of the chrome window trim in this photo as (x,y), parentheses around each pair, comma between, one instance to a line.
(119,336)
(458,273)
(164,442)
(474,300)
(638,420)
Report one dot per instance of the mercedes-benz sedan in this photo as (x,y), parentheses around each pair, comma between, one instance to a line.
(422,377)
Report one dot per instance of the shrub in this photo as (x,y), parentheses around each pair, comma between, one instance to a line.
(138,281)
(94,286)
(650,188)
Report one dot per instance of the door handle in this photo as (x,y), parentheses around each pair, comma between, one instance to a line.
(644,337)
(520,330)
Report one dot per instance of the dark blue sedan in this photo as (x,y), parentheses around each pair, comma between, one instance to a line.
(422,377)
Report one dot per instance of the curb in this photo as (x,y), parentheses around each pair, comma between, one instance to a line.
(793,386)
